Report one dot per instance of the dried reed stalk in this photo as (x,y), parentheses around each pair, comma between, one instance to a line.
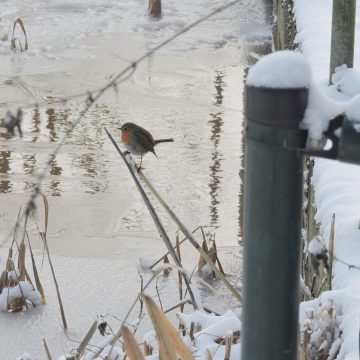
(13,39)
(228,344)
(192,329)
(331,251)
(170,342)
(148,350)
(178,252)
(214,250)
(48,356)
(3,280)
(202,261)
(86,340)
(43,236)
(132,348)
(21,261)
(36,275)
(208,355)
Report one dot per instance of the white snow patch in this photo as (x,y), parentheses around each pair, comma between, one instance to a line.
(353,112)
(319,112)
(13,275)
(316,246)
(281,70)
(23,289)
(24,356)
(202,320)
(347,81)
(337,186)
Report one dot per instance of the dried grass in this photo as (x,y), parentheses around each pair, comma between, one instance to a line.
(17,41)
(132,349)
(170,342)
(48,355)
(320,337)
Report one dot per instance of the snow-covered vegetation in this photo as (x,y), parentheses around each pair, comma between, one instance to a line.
(337,190)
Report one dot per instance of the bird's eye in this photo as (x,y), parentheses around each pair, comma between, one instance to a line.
(124,128)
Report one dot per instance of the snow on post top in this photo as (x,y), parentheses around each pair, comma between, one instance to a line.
(281,70)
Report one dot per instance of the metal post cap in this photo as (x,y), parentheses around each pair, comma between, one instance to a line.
(276,107)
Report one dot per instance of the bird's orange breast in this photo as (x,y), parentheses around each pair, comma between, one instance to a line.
(124,137)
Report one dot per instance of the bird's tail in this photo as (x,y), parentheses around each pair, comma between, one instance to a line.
(163,140)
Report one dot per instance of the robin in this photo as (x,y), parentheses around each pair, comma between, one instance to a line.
(139,141)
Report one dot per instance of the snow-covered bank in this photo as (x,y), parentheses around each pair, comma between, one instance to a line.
(337,185)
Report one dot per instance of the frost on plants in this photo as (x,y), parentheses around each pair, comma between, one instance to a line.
(320,332)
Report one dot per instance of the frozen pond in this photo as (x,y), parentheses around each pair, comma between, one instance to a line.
(191,90)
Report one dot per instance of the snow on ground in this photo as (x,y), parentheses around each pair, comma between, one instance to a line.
(337,185)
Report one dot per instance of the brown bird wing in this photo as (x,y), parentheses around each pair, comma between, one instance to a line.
(146,140)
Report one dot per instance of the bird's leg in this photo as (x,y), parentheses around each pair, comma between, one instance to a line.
(139,168)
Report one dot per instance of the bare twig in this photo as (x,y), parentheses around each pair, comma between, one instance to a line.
(43,235)
(179,274)
(47,350)
(179,305)
(174,247)
(331,250)
(157,292)
(86,339)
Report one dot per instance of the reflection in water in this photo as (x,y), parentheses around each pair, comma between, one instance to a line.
(55,184)
(46,127)
(216,123)
(36,124)
(219,84)
(88,163)
(5,185)
(29,164)
(51,124)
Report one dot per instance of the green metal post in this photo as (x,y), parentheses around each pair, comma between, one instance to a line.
(272,226)
(342,34)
